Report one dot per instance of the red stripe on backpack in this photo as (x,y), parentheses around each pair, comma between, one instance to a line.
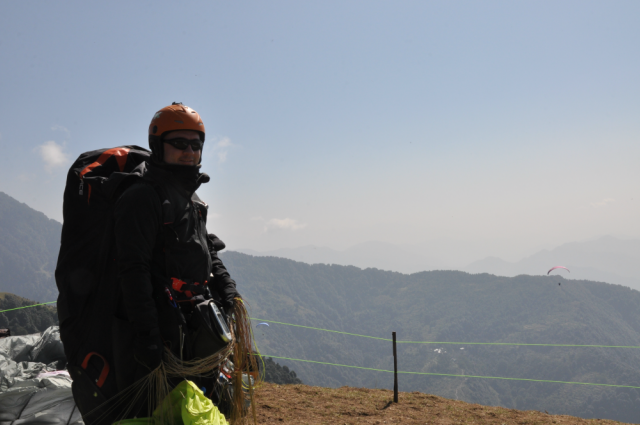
(119,153)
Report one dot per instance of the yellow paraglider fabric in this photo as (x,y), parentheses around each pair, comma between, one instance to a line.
(187,405)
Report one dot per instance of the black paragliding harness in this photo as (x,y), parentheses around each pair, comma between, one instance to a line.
(204,330)
(204,325)
(85,276)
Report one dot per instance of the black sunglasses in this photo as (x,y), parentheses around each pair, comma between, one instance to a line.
(196,144)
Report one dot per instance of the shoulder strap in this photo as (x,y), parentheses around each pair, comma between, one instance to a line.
(166,230)
(168,215)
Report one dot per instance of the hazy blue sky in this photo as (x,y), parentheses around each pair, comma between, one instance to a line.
(503,125)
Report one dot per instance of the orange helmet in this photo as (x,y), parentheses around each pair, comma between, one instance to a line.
(176,117)
(170,118)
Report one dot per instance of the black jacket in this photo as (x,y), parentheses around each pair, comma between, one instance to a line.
(143,239)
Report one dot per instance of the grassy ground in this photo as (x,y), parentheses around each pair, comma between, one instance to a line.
(301,404)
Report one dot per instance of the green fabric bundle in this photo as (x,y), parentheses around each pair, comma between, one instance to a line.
(187,405)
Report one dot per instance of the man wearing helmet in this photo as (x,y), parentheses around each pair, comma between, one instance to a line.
(161,237)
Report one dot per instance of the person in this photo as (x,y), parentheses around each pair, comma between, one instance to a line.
(162,244)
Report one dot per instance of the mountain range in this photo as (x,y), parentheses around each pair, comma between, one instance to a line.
(605,259)
(381,255)
(28,251)
(31,241)
(455,319)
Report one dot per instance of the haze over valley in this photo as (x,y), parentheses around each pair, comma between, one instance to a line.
(605,259)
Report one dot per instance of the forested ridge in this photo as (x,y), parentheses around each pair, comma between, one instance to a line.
(451,306)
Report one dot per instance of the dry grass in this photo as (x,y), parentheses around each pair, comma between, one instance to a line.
(301,404)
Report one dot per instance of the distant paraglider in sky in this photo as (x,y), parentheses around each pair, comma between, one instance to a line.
(262,326)
(558,267)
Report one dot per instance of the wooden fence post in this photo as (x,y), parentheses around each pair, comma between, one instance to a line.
(395,370)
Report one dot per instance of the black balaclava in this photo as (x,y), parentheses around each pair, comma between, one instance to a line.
(188,175)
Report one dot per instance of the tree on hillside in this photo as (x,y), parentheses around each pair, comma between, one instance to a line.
(26,320)
(278,374)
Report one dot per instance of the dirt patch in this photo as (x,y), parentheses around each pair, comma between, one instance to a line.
(301,404)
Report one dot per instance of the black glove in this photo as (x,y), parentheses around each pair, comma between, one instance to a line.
(227,294)
(148,349)
(215,243)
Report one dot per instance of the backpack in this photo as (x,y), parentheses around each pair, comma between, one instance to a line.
(85,276)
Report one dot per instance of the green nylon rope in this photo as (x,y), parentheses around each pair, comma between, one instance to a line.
(404,342)
(423,342)
(442,342)
(456,376)
(27,306)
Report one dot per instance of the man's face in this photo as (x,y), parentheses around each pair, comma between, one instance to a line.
(185,157)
